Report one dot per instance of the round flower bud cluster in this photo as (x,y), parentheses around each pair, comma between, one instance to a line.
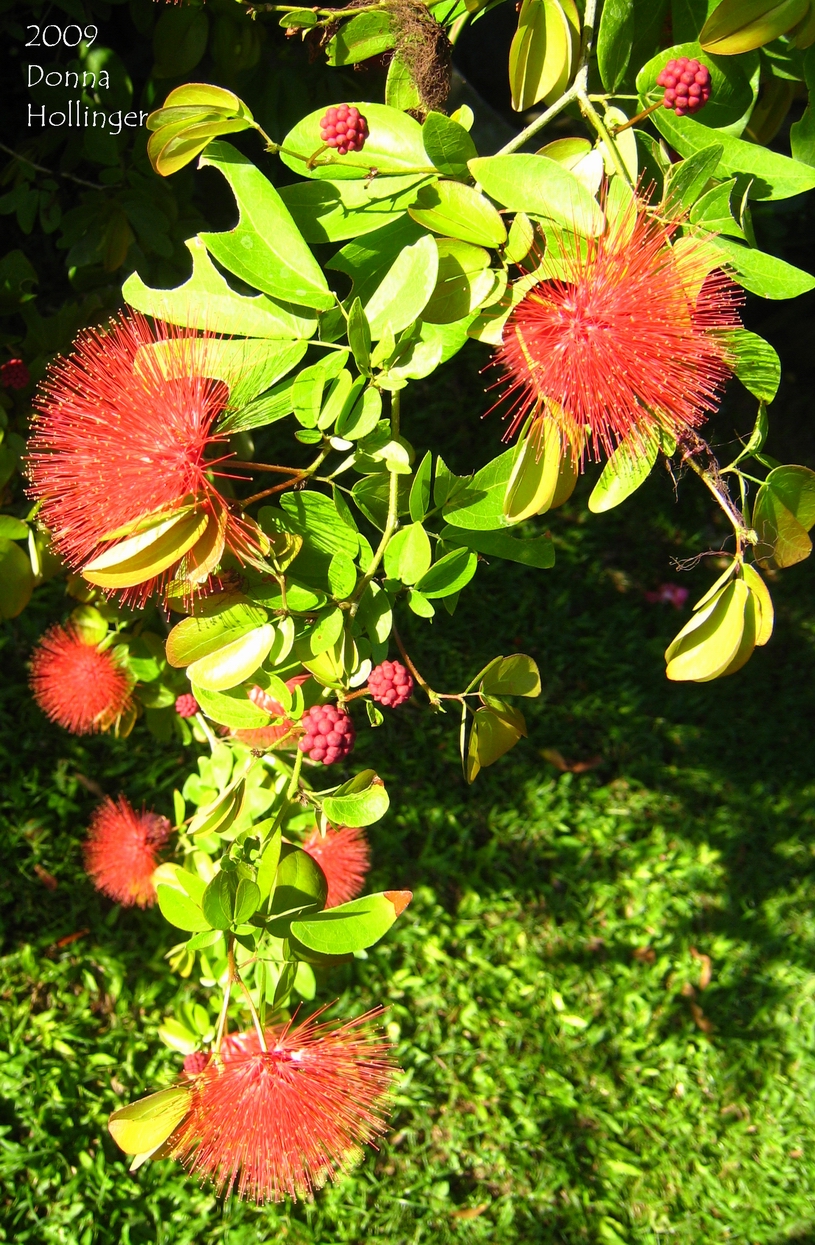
(329,734)
(186,706)
(390,684)
(14,374)
(687,85)
(345,128)
(196,1062)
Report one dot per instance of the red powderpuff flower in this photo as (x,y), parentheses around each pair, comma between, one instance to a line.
(76,685)
(124,430)
(627,342)
(283,1121)
(121,851)
(345,858)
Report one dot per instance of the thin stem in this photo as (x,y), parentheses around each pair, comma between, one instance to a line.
(80,181)
(591,113)
(293,471)
(433,696)
(392,520)
(292,482)
(532,129)
(646,112)
(294,781)
(202,722)
(713,481)
(230,967)
(252,1011)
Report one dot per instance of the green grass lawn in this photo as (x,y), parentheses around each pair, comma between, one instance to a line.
(603,993)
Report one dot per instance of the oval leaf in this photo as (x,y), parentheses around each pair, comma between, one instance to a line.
(142,1126)
(352,926)
(359,802)
(232,664)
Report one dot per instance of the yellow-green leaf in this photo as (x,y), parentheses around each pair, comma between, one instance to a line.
(540,54)
(704,651)
(535,476)
(232,664)
(142,1126)
(759,589)
(737,26)
(141,557)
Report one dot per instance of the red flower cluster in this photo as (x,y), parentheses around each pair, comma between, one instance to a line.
(121,851)
(627,342)
(687,85)
(77,686)
(125,430)
(344,856)
(345,128)
(282,1121)
(186,706)
(328,734)
(390,684)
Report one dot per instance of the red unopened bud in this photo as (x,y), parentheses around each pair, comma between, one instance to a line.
(390,684)
(329,734)
(344,128)
(186,706)
(687,85)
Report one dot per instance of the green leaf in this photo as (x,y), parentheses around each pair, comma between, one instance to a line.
(16,579)
(628,467)
(300,884)
(737,26)
(342,576)
(450,574)
(540,56)
(732,91)
(540,187)
(179,42)
(408,555)
(538,552)
(226,619)
(247,901)
(615,39)
(218,903)
(364,36)
(464,281)
(351,926)
(206,301)
(329,211)
(362,417)
(458,211)
(361,801)
(755,362)
(419,604)
(142,1126)
(783,513)
(763,274)
(371,494)
(247,367)
(13,529)
(265,248)
(326,631)
(231,708)
(402,295)
(773,176)
(180,910)
(448,145)
(479,504)
(494,731)
(401,89)
(687,179)
(394,145)
(419,499)
(267,865)
(265,410)
(219,816)
(516,675)
(359,336)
